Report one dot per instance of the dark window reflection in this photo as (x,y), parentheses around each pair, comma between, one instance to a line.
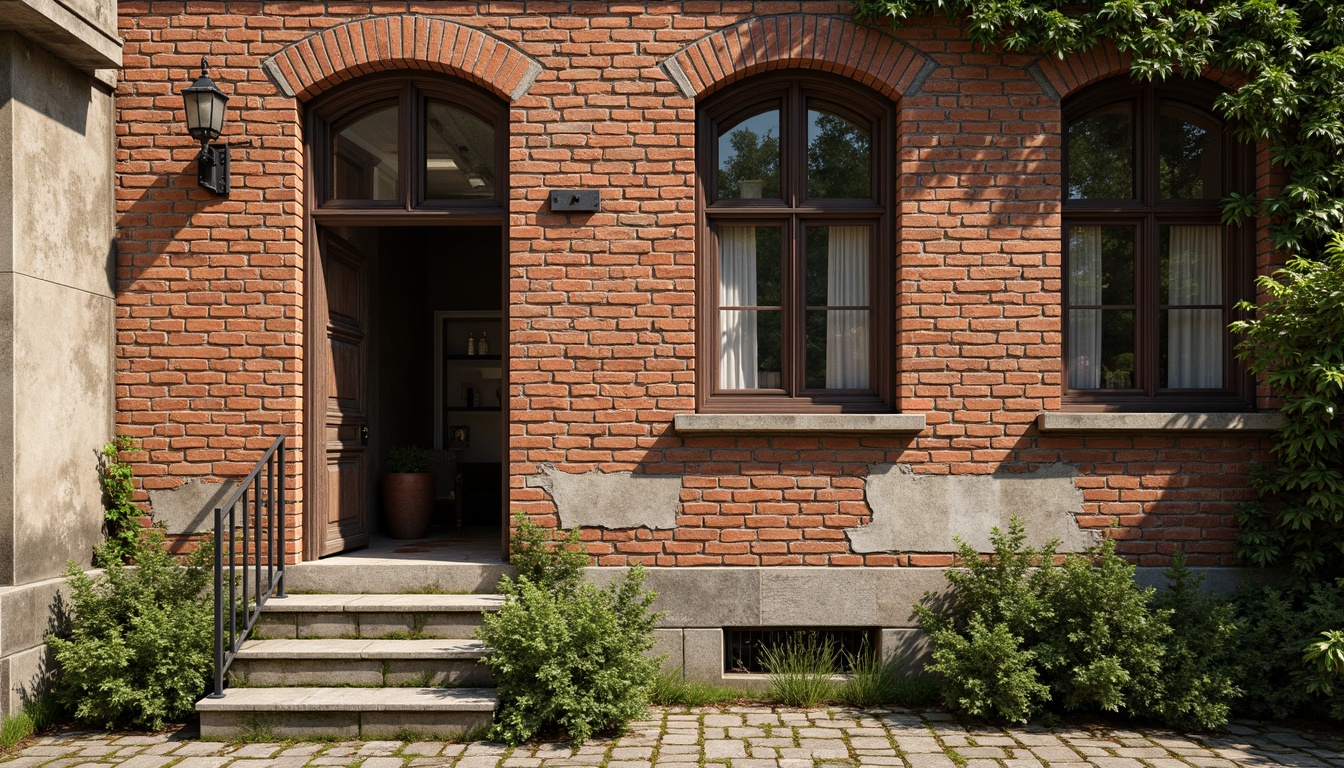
(1101,155)
(365,163)
(839,157)
(459,154)
(1189,161)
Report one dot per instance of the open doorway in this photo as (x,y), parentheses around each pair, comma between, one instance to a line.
(415,356)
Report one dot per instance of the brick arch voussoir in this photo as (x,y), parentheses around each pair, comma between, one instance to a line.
(337,54)
(798,41)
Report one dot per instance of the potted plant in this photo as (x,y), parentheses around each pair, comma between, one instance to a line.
(408,493)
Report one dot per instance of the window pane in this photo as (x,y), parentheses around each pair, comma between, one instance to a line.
(1101,349)
(459,154)
(749,157)
(1101,155)
(1191,348)
(1101,266)
(365,162)
(839,157)
(749,266)
(837,349)
(749,349)
(1189,157)
(1191,265)
(837,266)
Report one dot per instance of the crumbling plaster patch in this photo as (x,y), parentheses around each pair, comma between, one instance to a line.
(190,507)
(922,513)
(611,500)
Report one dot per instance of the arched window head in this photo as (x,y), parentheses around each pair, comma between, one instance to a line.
(795,249)
(413,142)
(1151,275)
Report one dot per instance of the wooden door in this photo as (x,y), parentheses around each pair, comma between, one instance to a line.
(345,397)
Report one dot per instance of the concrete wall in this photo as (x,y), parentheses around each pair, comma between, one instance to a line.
(56,313)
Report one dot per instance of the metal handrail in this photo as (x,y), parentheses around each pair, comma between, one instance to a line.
(262,497)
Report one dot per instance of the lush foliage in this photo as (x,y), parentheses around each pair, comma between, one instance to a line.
(1200,665)
(121,518)
(140,649)
(1289,55)
(1277,627)
(1023,630)
(1300,518)
(566,655)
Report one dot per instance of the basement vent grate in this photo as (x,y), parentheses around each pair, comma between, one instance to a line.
(742,648)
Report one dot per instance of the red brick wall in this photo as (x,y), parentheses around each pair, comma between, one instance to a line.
(209,357)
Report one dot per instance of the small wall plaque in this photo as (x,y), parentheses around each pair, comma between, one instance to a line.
(576,200)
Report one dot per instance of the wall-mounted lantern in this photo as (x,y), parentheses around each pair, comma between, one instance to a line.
(205,121)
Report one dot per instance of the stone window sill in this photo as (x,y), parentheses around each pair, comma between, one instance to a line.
(1159,422)
(798,423)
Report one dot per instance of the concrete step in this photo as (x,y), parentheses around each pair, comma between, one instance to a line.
(291,713)
(372,575)
(435,662)
(374,616)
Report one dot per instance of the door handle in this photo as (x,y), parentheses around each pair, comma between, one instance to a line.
(364,435)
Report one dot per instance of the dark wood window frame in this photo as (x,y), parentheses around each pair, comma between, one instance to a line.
(411,92)
(794,92)
(1147,213)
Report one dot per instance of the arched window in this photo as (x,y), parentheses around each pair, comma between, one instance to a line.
(795,247)
(409,142)
(1151,275)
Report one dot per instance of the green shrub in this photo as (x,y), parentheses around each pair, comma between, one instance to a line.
(1020,631)
(802,669)
(407,459)
(549,562)
(1199,663)
(140,651)
(1277,626)
(567,656)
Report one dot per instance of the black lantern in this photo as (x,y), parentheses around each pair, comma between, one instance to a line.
(205,121)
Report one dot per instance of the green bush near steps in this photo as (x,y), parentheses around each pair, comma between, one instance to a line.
(567,657)
(141,648)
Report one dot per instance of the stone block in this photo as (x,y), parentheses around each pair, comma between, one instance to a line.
(669,642)
(433,725)
(804,597)
(703,655)
(909,648)
(190,507)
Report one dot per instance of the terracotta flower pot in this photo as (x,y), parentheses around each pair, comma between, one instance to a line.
(408,503)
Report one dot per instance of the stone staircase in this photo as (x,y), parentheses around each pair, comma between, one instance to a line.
(358,665)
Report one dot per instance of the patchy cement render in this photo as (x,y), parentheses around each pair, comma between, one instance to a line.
(190,507)
(922,513)
(615,500)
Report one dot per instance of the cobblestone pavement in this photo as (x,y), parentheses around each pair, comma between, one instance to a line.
(735,737)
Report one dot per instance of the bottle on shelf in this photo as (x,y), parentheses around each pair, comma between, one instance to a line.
(483,346)
(471,344)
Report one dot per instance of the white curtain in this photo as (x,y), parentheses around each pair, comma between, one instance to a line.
(737,328)
(1084,324)
(1195,336)
(847,329)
